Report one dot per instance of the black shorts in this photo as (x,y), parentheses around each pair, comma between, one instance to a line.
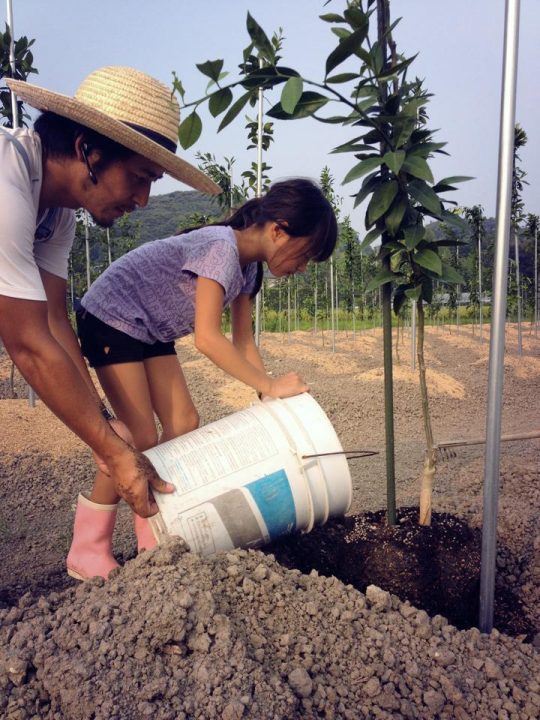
(102,345)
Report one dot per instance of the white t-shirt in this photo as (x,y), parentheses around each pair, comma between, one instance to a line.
(25,247)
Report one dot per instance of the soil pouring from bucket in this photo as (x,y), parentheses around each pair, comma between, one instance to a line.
(245,480)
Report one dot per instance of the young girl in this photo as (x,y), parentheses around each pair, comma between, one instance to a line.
(166,289)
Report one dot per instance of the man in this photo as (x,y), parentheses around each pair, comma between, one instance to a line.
(100,150)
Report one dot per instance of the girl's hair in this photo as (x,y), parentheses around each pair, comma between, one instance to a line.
(59,134)
(299,207)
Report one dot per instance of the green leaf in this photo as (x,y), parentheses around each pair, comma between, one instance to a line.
(334,120)
(418,167)
(356,18)
(422,193)
(211,68)
(412,236)
(190,130)
(371,236)
(307,105)
(414,293)
(362,168)
(352,146)
(413,106)
(451,275)
(424,149)
(390,72)
(394,160)
(403,129)
(381,200)
(220,101)
(178,87)
(398,300)
(259,38)
(267,77)
(370,184)
(427,289)
(341,32)
(455,221)
(233,111)
(394,218)
(455,179)
(291,94)
(332,18)
(342,77)
(345,49)
(439,188)
(381,278)
(429,260)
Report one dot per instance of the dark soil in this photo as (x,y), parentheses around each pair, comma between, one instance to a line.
(435,568)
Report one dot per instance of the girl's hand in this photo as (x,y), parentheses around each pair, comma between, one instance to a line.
(286,386)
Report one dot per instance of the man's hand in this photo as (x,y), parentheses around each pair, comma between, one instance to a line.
(134,477)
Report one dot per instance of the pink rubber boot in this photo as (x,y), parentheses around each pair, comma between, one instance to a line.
(146,540)
(90,553)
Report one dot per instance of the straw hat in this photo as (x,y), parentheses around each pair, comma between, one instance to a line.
(128,107)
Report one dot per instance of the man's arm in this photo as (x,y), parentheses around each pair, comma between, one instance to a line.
(49,369)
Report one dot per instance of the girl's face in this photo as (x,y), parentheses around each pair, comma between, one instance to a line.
(291,255)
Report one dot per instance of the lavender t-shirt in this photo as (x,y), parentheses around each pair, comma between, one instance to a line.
(149,293)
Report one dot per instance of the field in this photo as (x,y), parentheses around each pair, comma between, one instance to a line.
(174,636)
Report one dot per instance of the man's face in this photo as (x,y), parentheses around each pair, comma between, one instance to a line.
(122,187)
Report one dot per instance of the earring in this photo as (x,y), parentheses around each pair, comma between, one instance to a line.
(84,152)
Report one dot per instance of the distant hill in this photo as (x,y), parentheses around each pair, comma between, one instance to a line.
(164,213)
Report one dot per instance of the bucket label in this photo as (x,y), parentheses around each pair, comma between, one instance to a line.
(275,501)
(214,452)
(224,522)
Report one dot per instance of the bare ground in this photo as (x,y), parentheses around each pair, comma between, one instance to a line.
(43,466)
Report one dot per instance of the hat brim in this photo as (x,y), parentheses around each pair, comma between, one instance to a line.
(69,107)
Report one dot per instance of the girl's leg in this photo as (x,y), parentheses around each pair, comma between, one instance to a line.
(126,387)
(170,396)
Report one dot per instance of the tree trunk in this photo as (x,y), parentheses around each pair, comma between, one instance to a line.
(429,459)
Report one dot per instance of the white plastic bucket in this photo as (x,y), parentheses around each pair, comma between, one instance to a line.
(244,480)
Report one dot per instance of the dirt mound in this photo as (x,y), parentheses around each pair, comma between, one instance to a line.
(172,635)
(236,635)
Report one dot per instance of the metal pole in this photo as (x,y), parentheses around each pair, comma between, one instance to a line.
(289,309)
(518,292)
(536,282)
(109,254)
(496,346)
(315,304)
(458,294)
(480,284)
(332,303)
(14,109)
(259,193)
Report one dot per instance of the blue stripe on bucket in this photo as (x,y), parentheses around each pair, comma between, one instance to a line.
(274,498)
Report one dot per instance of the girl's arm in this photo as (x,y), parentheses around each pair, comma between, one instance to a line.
(242,332)
(211,342)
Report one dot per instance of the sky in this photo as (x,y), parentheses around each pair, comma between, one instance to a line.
(459,46)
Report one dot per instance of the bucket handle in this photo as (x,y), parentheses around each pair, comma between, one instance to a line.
(354,454)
